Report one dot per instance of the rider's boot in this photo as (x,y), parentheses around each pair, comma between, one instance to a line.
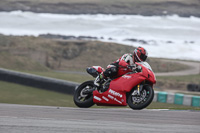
(99,81)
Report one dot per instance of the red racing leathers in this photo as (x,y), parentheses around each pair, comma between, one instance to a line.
(119,67)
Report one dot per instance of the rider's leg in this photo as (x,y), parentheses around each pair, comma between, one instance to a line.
(108,73)
(99,81)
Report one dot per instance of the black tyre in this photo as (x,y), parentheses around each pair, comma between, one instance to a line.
(83,99)
(141,101)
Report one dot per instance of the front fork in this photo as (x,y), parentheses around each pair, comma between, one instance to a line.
(138,89)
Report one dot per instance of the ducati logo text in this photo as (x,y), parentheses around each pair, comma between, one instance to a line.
(115,93)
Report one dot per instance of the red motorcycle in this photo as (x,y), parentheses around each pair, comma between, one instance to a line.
(134,88)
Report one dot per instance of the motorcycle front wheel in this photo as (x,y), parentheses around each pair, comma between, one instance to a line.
(138,102)
(83,96)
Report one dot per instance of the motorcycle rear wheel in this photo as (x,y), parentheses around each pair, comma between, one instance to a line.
(84,100)
(149,94)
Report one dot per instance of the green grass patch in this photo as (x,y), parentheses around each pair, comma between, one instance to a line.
(19,94)
(177,82)
(157,105)
(83,77)
(79,78)
(188,78)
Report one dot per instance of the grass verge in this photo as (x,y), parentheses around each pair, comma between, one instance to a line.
(19,94)
(157,105)
(177,82)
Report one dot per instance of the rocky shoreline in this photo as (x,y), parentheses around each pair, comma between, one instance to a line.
(83,38)
(146,8)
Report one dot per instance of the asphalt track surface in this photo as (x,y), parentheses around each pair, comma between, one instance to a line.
(48,119)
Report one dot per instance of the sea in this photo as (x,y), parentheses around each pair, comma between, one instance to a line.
(171,37)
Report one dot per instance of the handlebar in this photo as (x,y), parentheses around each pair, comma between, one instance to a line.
(134,68)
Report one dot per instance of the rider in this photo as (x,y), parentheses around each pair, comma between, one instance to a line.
(121,66)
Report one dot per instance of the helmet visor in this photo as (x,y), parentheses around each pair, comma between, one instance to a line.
(142,56)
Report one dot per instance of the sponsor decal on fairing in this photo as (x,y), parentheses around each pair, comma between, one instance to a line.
(113,98)
(105,98)
(115,93)
(126,77)
(97,98)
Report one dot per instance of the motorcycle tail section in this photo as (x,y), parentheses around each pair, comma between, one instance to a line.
(95,70)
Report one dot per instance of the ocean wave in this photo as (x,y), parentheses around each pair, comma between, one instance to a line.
(165,36)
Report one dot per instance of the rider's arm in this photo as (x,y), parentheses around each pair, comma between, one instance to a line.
(125,60)
(123,63)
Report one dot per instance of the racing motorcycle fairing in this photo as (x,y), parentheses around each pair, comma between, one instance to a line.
(110,97)
(116,93)
(147,72)
(95,70)
(134,88)
(126,82)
